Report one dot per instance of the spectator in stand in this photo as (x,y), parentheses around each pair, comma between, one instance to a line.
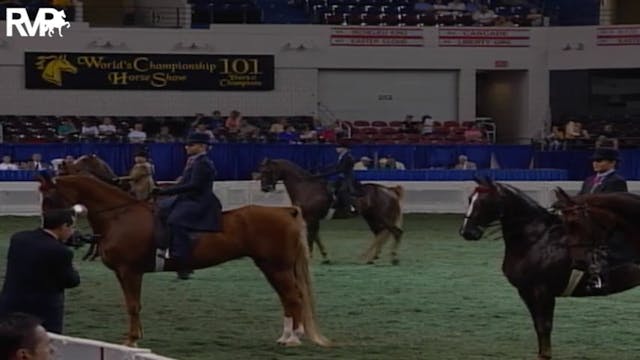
(233,122)
(534,18)
(465,164)
(427,125)
(201,128)
(555,139)
(277,127)
(66,128)
(327,134)
(137,135)
(6,164)
(583,133)
(107,128)
(89,130)
(410,126)
(217,121)
(364,164)
(608,138)
(36,163)
(248,132)
(571,130)
(422,6)
(289,136)
(394,164)
(164,136)
(473,134)
(58,161)
(484,16)
(457,5)
(308,135)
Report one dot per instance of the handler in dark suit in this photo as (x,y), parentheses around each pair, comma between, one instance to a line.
(605,180)
(195,208)
(346,186)
(39,269)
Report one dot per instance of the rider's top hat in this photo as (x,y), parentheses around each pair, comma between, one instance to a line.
(605,154)
(198,138)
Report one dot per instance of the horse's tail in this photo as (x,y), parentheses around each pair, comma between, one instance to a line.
(303,281)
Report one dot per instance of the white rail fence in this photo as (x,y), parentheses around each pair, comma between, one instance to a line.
(22,198)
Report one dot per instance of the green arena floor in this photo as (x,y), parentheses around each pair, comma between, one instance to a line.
(446,300)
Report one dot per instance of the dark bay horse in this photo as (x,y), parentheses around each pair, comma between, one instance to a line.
(537,261)
(273,237)
(380,205)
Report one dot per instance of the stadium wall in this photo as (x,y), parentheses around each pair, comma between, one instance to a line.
(303,55)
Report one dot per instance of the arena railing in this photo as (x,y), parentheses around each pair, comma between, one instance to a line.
(69,348)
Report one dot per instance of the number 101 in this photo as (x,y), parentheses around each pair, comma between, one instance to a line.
(240,66)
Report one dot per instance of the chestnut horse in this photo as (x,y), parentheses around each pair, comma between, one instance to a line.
(379,206)
(273,237)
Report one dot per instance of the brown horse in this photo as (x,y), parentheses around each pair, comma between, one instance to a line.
(593,222)
(537,259)
(380,205)
(273,237)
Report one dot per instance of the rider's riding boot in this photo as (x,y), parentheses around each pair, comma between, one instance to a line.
(596,282)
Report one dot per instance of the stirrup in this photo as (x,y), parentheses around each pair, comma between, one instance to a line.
(595,282)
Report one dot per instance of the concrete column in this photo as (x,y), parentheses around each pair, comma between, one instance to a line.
(466,94)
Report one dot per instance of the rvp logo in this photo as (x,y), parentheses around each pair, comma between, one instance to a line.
(45,23)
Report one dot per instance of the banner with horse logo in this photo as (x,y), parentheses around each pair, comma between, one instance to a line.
(104,71)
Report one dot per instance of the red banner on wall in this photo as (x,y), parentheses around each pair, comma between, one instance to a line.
(483,37)
(618,36)
(376,36)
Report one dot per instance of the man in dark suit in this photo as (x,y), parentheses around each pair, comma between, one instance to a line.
(39,269)
(195,208)
(345,185)
(605,180)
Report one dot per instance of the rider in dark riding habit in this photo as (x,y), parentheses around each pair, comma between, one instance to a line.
(195,208)
(345,187)
(606,180)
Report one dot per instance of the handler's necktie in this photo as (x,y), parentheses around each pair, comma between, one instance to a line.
(596,182)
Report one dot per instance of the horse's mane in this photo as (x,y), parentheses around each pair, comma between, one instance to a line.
(622,204)
(292,167)
(534,205)
(90,184)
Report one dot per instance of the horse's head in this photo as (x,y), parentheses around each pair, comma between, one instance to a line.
(485,207)
(269,175)
(55,195)
(89,165)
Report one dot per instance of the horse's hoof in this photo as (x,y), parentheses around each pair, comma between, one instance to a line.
(370,262)
(395,262)
(133,344)
(326,262)
(292,341)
